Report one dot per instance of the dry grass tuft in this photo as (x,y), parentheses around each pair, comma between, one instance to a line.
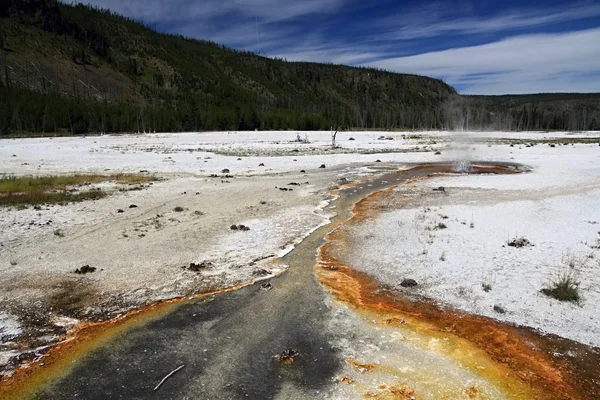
(23,191)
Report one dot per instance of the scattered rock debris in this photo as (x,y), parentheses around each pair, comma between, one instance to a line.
(408,283)
(198,267)
(394,321)
(287,356)
(286,190)
(86,269)
(360,367)
(472,392)
(239,228)
(261,272)
(499,309)
(520,242)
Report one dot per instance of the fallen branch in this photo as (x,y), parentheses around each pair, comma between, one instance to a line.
(167,377)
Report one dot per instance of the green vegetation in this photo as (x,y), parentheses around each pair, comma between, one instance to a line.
(23,191)
(564,288)
(68,69)
(77,69)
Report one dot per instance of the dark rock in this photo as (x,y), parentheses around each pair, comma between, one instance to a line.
(261,272)
(437,153)
(322,166)
(439,189)
(378,161)
(239,159)
(261,165)
(262,202)
(225,171)
(351,138)
(239,228)
(133,206)
(287,357)
(38,208)
(499,310)
(120,211)
(302,171)
(198,267)
(552,145)
(86,269)
(408,283)
(266,286)
(520,242)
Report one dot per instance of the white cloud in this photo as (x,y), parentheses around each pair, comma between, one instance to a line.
(441,19)
(203,10)
(522,64)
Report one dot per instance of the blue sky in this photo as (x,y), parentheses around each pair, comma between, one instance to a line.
(479,47)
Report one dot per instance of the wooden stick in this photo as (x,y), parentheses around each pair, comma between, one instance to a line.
(167,377)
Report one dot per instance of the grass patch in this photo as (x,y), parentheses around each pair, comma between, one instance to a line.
(564,288)
(24,191)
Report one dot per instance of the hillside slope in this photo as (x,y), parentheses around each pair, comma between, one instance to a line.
(125,77)
(74,69)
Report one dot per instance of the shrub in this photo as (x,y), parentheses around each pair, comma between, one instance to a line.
(564,288)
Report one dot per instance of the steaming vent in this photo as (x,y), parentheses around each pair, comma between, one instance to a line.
(462,167)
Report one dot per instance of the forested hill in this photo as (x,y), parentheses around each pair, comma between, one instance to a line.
(78,69)
(74,69)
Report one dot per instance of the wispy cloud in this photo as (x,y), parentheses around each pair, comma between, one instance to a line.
(476,47)
(523,64)
(437,19)
(204,10)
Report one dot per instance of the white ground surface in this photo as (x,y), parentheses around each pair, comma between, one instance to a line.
(556,207)
(140,253)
